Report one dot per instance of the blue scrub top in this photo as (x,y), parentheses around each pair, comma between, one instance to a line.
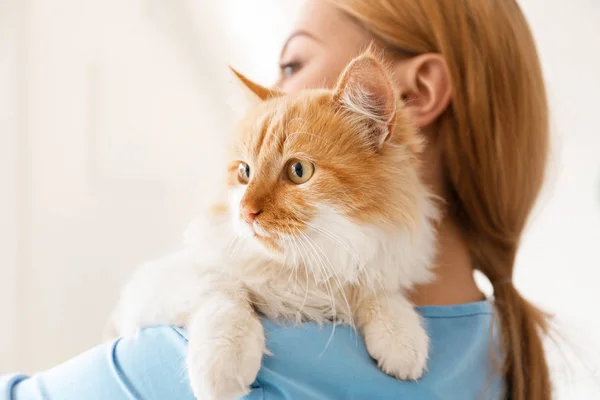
(308,362)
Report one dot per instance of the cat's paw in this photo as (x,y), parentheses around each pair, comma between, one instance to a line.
(223,364)
(131,316)
(399,351)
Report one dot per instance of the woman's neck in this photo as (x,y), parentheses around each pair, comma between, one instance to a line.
(454,282)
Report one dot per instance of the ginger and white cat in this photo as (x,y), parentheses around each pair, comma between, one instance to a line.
(326,220)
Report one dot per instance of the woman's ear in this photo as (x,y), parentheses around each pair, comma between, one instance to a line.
(425,85)
(254,89)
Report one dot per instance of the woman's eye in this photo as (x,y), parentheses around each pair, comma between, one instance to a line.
(300,171)
(289,69)
(244,173)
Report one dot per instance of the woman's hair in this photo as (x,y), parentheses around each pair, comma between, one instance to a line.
(494,139)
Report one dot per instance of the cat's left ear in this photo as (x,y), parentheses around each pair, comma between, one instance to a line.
(255,90)
(365,88)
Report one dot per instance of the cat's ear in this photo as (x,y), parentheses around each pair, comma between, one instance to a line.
(365,88)
(253,89)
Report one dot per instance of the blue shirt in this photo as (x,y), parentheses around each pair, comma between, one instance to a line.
(308,362)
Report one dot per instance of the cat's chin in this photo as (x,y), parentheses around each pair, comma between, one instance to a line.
(269,245)
(259,236)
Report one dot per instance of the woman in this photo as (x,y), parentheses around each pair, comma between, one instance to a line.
(471,79)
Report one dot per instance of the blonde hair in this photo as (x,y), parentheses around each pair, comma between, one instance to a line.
(494,143)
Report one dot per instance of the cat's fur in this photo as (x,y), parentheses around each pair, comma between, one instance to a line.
(345,246)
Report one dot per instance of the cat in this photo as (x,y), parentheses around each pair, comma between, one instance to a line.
(325,220)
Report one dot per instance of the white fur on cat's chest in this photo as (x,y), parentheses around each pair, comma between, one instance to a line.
(293,292)
(299,300)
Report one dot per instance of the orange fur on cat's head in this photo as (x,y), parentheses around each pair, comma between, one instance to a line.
(305,162)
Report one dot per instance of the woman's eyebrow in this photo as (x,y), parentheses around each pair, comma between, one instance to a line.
(296,34)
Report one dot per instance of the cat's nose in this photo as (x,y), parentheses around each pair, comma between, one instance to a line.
(250,213)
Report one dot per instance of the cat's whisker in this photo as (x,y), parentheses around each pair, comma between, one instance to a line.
(238,241)
(291,238)
(293,267)
(336,239)
(334,324)
(333,237)
(233,237)
(295,248)
(327,285)
(231,242)
(326,271)
(323,271)
(336,279)
(291,242)
(299,313)
(308,252)
(296,253)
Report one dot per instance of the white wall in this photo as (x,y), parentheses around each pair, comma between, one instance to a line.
(10,183)
(559,263)
(112,112)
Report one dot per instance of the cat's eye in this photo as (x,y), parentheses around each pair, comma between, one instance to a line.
(244,173)
(300,171)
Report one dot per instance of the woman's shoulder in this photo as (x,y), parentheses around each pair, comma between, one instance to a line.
(331,362)
(148,366)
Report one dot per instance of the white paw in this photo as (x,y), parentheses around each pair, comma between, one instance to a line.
(130,317)
(222,365)
(399,351)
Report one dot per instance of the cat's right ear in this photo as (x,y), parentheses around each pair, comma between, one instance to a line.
(365,89)
(253,90)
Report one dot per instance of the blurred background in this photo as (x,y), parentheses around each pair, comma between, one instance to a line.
(113,114)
